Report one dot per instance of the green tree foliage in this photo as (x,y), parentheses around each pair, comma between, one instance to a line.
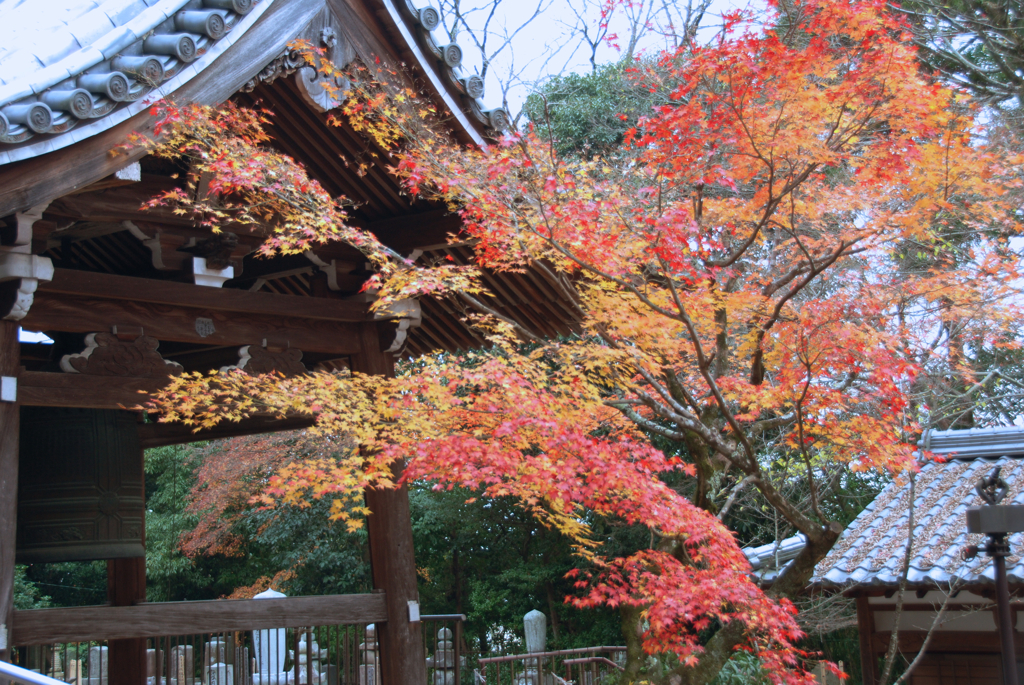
(493,562)
(170,575)
(978,44)
(27,594)
(251,545)
(590,113)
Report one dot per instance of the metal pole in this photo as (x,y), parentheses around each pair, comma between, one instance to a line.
(457,650)
(999,549)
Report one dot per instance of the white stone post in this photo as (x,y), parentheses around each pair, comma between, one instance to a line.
(535,627)
(271,645)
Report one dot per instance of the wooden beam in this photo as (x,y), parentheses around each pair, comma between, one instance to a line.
(128,288)
(42,389)
(121,204)
(161,434)
(59,312)
(404,233)
(9,424)
(82,624)
(392,560)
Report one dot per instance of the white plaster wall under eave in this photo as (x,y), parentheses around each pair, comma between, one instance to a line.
(982,620)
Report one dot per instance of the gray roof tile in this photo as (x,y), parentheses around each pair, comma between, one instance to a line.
(121,11)
(50,37)
(114,41)
(59,43)
(91,28)
(871,550)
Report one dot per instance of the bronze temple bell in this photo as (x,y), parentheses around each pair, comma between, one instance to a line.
(81,494)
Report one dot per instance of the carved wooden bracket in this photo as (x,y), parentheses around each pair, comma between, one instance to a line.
(20,274)
(20,270)
(163,246)
(260,359)
(175,252)
(407,314)
(20,238)
(126,353)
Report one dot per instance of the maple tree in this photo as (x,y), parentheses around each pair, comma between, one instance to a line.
(739,267)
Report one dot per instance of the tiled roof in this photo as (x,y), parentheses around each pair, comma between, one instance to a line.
(871,550)
(449,59)
(766,560)
(89,63)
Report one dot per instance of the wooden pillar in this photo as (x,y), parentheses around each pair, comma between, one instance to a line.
(393,564)
(126,585)
(10,361)
(866,633)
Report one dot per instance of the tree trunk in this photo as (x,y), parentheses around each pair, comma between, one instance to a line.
(631,630)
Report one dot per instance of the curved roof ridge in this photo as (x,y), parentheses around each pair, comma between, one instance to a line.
(416,25)
(975,442)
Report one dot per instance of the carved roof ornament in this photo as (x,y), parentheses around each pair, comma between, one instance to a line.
(124,353)
(285,64)
(313,86)
(75,68)
(260,359)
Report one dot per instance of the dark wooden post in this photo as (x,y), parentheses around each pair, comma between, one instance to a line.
(866,633)
(10,361)
(126,585)
(402,656)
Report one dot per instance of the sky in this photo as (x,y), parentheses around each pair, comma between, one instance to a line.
(544,37)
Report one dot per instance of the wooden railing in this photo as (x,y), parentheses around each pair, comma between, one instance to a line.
(325,640)
(314,655)
(582,666)
(84,624)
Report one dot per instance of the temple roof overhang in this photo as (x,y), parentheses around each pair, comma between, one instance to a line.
(88,68)
(74,238)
